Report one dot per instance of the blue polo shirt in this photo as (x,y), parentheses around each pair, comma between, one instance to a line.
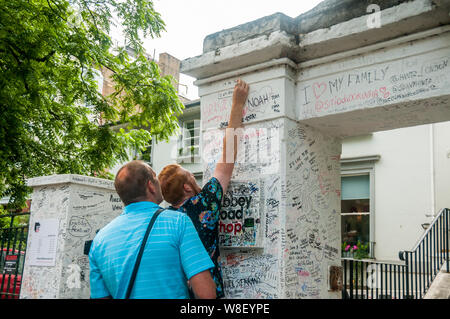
(173,254)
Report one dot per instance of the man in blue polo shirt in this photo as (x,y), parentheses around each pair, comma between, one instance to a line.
(173,255)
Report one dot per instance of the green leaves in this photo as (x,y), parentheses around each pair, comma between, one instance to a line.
(53,119)
(139,16)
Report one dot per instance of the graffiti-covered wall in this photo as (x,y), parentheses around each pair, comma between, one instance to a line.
(250,225)
(313,192)
(66,213)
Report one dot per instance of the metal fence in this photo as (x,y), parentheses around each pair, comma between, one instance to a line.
(13,242)
(373,280)
(408,279)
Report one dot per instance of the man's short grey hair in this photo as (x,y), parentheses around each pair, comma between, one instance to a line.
(131,181)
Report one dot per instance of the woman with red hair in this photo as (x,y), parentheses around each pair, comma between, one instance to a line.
(202,205)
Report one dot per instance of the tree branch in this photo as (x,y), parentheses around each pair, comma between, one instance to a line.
(45,58)
(92,15)
(16,57)
(57,13)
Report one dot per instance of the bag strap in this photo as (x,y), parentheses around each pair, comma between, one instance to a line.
(141,250)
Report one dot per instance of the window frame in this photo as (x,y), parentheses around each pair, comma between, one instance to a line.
(187,156)
(363,165)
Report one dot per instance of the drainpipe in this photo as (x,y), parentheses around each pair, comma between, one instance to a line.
(432,172)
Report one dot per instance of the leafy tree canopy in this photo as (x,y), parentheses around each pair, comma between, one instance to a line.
(49,53)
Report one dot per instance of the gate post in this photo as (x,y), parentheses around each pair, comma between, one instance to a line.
(279,230)
(66,213)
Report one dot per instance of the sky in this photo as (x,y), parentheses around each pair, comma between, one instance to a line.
(188,22)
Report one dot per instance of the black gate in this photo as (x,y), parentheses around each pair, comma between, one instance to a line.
(13,243)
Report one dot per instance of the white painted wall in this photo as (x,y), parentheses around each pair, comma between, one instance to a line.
(403,182)
(165,153)
(442,164)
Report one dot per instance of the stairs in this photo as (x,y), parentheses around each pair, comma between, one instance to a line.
(440,288)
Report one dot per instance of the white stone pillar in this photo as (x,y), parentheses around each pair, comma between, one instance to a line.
(312,212)
(66,212)
(279,224)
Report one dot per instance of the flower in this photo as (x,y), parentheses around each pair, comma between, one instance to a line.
(357,251)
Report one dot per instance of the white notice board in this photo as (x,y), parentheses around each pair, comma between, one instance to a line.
(44,238)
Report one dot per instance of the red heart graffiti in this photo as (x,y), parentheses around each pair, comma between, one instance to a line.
(319,89)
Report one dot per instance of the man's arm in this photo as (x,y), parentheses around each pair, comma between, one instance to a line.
(225,166)
(203,285)
(97,285)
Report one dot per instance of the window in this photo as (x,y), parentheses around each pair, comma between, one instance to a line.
(189,140)
(355,209)
(357,206)
(146,156)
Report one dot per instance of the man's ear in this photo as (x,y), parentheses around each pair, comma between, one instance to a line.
(151,187)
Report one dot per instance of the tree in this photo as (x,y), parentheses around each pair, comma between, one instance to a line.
(49,53)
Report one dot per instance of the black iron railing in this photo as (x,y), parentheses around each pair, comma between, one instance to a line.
(408,279)
(13,241)
(426,259)
(368,279)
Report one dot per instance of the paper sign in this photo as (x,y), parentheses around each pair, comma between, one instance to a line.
(44,236)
